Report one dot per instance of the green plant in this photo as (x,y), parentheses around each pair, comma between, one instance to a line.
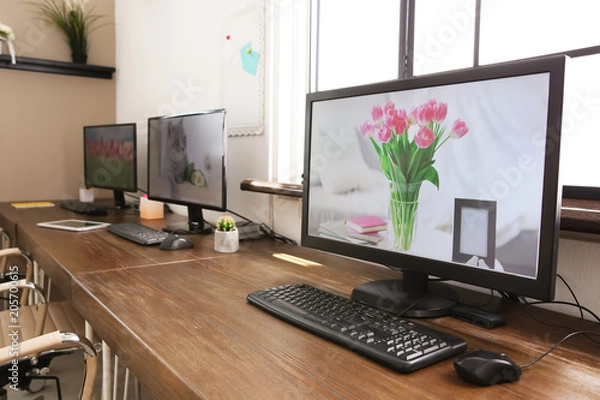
(72,20)
(225,223)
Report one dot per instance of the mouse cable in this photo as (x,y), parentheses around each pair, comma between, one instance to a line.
(524,308)
(565,303)
(551,349)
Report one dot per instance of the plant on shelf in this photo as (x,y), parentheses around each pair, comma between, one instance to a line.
(227,239)
(7,35)
(73,21)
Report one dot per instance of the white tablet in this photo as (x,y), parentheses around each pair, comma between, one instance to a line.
(76,225)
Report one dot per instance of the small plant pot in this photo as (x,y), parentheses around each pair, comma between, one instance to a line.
(79,58)
(227,241)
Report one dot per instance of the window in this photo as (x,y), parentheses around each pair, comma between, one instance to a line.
(514,29)
(354,43)
(444,32)
(355,36)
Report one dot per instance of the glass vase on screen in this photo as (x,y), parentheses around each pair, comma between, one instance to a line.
(406,143)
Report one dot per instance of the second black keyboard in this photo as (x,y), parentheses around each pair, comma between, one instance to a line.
(137,233)
(400,344)
(83,208)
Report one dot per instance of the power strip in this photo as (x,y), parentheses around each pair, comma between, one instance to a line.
(250,230)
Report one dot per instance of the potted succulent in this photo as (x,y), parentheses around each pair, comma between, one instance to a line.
(73,21)
(227,238)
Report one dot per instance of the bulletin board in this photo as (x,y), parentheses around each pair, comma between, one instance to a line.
(243,45)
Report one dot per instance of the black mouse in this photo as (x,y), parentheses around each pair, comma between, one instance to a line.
(485,368)
(174,242)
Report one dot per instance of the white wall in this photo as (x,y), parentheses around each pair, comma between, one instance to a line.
(169,60)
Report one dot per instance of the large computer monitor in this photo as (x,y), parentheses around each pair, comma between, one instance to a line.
(110,160)
(452,175)
(187,164)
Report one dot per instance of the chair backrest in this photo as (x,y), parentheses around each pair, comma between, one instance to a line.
(4,244)
(55,341)
(38,311)
(7,270)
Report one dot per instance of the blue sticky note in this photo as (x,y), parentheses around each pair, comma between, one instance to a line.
(250,58)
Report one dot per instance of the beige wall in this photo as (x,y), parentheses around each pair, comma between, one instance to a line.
(42,115)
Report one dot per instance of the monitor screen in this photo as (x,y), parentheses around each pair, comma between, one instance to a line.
(110,160)
(453,175)
(186,163)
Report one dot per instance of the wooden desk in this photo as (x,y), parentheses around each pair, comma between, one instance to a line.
(181,323)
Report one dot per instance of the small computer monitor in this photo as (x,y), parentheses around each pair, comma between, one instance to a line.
(187,164)
(110,159)
(452,175)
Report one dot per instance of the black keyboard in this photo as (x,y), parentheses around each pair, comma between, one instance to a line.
(400,344)
(83,208)
(137,233)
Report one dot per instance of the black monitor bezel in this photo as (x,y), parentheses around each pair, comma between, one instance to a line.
(543,286)
(223,205)
(87,182)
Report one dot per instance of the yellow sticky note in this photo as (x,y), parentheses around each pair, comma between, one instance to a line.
(33,204)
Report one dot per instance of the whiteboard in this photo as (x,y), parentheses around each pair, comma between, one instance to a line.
(243,46)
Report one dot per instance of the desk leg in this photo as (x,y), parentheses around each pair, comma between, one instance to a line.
(126,386)
(106,375)
(115,381)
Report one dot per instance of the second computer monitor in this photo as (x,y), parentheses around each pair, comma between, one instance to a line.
(186,163)
(110,159)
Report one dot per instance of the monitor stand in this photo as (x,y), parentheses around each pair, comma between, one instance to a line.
(119,197)
(414,296)
(194,226)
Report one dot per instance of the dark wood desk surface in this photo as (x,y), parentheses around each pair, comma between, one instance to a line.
(181,323)
(88,251)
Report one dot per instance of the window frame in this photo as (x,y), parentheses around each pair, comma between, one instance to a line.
(406,65)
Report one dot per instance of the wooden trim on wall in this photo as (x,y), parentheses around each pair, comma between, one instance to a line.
(56,67)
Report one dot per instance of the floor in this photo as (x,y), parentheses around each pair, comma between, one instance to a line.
(69,369)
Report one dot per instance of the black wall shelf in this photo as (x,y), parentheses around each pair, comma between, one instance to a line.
(57,67)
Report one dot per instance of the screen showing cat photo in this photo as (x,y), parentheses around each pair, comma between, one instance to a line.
(186,158)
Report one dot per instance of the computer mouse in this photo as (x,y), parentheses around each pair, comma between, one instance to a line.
(175,242)
(485,368)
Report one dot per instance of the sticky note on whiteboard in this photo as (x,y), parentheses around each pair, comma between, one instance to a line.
(250,58)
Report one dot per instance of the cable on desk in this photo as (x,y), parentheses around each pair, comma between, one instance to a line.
(572,294)
(271,234)
(266,231)
(524,305)
(570,335)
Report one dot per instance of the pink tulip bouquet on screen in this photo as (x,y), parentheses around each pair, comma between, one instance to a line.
(408,160)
